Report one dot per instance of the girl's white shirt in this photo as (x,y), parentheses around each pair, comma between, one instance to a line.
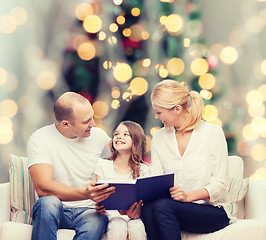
(204,163)
(105,170)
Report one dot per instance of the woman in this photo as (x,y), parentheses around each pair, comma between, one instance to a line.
(196,152)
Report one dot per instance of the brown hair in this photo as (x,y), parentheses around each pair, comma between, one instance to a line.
(138,146)
(169,93)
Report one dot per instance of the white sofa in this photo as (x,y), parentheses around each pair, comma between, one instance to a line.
(252,208)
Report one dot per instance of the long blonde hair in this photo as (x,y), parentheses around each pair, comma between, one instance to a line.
(169,93)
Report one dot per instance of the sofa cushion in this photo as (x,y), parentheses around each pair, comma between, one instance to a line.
(22,193)
(244,229)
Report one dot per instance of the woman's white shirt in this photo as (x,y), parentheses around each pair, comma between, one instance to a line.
(203,165)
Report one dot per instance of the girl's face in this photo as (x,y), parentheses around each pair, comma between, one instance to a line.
(167,116)
(121,139)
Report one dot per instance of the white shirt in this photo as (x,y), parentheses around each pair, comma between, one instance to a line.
(73,160)
(203,165)
(105,170)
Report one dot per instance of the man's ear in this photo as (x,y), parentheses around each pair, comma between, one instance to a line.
(65,123)
(178,109)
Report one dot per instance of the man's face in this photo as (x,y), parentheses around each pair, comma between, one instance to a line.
(82,122)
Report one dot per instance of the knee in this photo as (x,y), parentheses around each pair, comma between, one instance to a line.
(163,205)
(117,228)
(136,226)
(48,205)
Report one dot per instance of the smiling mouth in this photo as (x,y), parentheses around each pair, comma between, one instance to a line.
(119,142)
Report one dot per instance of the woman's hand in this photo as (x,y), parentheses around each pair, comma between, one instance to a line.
(134,211)
(177,193)
(100,209)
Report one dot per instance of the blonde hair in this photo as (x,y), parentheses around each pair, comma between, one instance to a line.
(169,93)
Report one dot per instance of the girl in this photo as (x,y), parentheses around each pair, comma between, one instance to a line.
(128,148)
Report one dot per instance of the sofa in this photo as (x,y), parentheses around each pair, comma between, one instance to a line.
(248,199)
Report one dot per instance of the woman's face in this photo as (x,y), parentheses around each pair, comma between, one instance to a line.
(121,139)
(167,116)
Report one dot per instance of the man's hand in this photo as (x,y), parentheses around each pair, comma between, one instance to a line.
(100,192)
(134,211)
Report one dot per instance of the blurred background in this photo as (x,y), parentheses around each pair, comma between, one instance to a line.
(114,52)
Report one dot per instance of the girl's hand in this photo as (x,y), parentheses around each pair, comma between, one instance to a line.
(178,194)
(134,211)
(100,209)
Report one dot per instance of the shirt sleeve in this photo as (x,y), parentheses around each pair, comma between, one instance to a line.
(219,166)
(145,170)
(156,167)
(36,150)
(106,153)
(99,169)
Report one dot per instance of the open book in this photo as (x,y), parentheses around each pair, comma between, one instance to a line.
(129,191)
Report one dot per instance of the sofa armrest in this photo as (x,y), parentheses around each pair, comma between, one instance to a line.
(255,199)
(4,202)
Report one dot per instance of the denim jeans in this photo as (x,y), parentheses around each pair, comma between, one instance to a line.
(165,218)
(49,215)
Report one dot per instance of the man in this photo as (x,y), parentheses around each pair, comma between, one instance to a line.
(62,159)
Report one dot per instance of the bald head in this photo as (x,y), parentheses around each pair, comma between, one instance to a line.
(65,105)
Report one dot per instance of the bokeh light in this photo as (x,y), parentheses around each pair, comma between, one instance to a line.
(122,72)
(20,14)
(229,55)
(100,108)
(262,90)
(6,134)
(254,98)
(258,152)
(8,24)
(46,80)
(115,104)
(135,12)
(263,67)
(86,51)
(107,64)
(258,125)
(8,108)
(83,10)
(248,133)
(102,36)
(138,86)
(210,113)
(136,32)
(115,92)
(199,66)
(113,27)
(207,81)
(174,24)
(175,66)
(120,20)
(206,94)
(92,23)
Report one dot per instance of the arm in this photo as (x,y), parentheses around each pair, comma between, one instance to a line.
(42,178)
(177,193)
(219,166)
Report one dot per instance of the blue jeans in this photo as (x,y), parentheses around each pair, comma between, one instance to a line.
(49,215)
(165,218)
